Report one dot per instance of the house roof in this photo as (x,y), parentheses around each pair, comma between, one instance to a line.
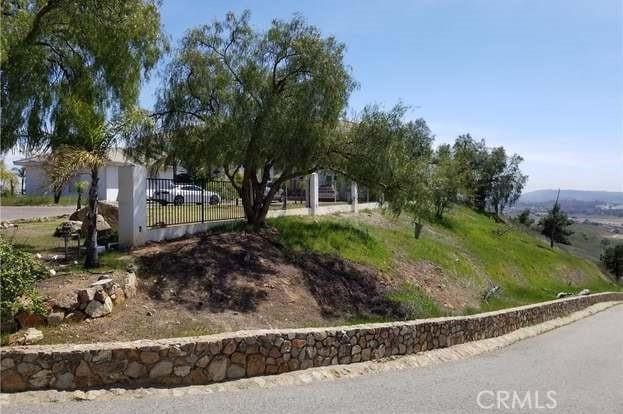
(115,156)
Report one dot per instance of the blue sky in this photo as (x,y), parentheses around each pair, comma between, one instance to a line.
(542,78)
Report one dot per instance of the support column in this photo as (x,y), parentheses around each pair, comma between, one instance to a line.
(354,195)
(132,205)
(313,193)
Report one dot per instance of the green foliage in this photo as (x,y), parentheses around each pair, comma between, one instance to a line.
(443,181)
(18,273)
(524,218)
(555,225)
(73,81)
(8,180)
(55,52)
(391,156)
(252,102)
(612,258)
(487,176)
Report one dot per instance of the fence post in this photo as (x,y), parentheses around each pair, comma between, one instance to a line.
(203,201)
(313,193)
(354,195)
(132,205)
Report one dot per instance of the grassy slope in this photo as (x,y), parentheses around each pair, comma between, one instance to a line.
(467,246)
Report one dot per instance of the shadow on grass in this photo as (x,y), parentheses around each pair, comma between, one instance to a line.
(345,289)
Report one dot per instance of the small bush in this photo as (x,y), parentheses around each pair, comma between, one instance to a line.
(18,273)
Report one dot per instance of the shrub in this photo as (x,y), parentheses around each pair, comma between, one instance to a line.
(524,218)
(18,273)
(612,258)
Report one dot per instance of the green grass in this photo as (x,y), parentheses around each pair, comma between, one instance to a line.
(525,266)
(467,246)
(37,237)
(335,236)
(39,200)
(417,303)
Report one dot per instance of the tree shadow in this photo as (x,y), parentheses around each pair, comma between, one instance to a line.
(345,289)
(219,272)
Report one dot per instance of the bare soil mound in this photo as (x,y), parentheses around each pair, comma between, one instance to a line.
(244,272)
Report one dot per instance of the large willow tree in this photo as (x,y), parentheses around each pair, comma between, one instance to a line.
(68,68)
(262,105)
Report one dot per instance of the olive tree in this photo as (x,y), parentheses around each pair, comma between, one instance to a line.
(263,105)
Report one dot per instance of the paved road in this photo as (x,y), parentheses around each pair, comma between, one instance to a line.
(26,212)
(581,363)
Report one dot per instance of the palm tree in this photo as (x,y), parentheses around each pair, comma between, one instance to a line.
(90,153)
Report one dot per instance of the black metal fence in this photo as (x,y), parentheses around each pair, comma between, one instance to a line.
(170,202)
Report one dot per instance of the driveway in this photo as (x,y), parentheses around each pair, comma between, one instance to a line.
(577,368)
(8,213)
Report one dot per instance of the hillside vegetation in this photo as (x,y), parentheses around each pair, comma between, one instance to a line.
(331,270)
(454,261)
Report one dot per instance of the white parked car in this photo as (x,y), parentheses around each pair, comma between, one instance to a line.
(179,194)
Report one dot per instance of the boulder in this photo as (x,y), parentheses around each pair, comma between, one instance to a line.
(584,292)
(102,225)
(108,212)
(101,296)
(96,309)
(129,287)
(86,295)
(118,297)
(67,227)
(104,282)
(26,337)
(561,295)
(66,301)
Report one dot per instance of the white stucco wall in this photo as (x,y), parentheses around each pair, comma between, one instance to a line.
(37,182)
(108,187)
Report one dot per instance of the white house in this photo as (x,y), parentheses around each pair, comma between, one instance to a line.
(37,182)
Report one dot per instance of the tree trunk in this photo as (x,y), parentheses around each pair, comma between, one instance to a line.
(255,203)
(57,194)
(92,259)
(79,201)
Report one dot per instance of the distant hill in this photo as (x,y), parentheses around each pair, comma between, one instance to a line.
(543,196)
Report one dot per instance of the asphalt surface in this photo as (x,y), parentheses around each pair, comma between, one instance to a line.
(8,213)
(580,365)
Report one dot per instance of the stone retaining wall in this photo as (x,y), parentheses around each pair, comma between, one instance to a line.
(214,358)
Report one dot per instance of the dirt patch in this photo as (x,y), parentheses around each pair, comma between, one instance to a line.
(451,293)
